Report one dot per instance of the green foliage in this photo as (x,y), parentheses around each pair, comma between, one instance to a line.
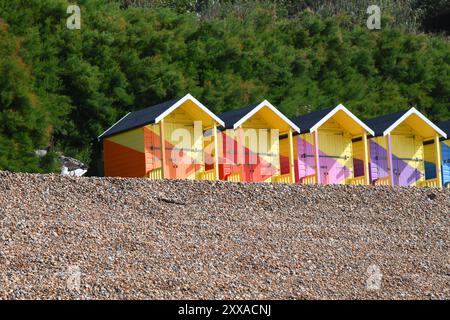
(23,119)
(61,88)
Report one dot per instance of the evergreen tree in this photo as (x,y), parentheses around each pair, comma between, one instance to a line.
(62,88)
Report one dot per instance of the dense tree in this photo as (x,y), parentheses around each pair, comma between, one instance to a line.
(61,88)
(24,120)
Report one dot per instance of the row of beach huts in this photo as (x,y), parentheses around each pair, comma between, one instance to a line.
(182,139)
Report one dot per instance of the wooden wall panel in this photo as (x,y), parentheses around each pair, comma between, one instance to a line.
(121,161)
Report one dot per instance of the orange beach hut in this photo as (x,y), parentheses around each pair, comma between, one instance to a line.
(165,141)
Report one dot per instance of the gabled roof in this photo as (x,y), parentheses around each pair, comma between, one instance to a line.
(312,121)
(307,121)
(153,114)
(234,118)
(380,124)
(386,124)
(230,118)
(445,126)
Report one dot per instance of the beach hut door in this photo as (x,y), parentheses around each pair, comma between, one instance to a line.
(183,153)
(378,161)
(408,160)
(336,159)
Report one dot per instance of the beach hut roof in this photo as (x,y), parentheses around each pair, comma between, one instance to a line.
(234,118)
(230,118)
(153,114)
(312,121)
(386,124)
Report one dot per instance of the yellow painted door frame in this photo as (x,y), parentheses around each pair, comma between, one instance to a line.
(216,151)
(162,148)
(389,159)
(437,145)
(241,151)
(197,153)
(291,156)
(264,149)
(317,156)
(366,158)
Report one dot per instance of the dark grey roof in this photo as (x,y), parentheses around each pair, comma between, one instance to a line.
(233,116)
(307,121)
(380,124)
(445,126)
(139,118)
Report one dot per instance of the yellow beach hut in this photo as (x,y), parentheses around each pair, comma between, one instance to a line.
(324,151)
(397,152)
(250,144)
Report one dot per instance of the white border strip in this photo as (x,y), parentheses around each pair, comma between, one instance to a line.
(341,107)
(100,136)
(198,103)
(266,103)
(421,116)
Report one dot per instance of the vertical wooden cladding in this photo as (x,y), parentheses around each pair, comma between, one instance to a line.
(398,158)
(284,156)
(183,146)
(326,153)
(366,157)
(358,157)
(330,150)
(291,155)
(251,151)
(133,153)
(229,151)
(336,154)
(408,159)
(153,154)
(378,159)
